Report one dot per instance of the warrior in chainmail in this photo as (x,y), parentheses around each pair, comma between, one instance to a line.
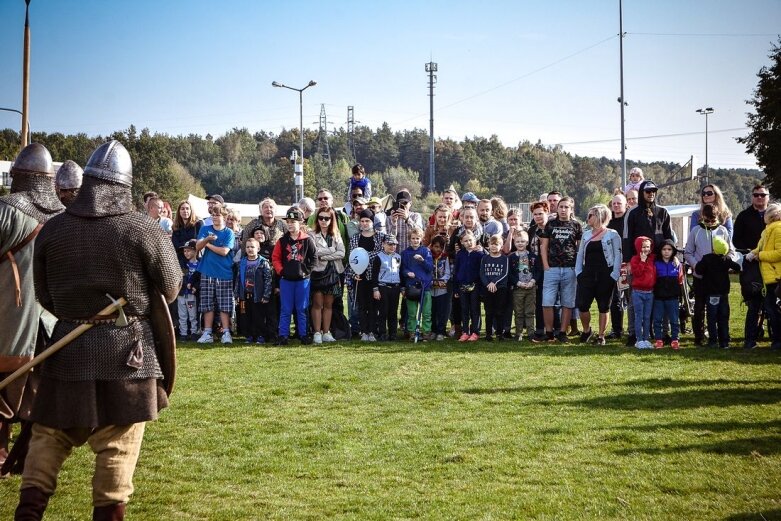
(102,387)
(68,181)
(31,203)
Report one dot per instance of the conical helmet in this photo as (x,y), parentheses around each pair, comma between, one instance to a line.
(68,176)
(34,159)
(111,162)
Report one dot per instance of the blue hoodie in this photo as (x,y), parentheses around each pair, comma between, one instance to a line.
(423,270)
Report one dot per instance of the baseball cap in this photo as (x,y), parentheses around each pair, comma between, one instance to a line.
(216,197)
(189,244)
(294,214)
(390,239)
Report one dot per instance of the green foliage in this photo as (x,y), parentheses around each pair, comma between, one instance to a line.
(764,139)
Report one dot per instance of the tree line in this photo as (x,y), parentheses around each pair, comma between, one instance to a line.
(245,167)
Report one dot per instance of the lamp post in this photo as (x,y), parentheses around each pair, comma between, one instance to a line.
(298,169)
(705,112)
(29,131)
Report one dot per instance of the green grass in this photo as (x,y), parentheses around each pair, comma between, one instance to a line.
(451,431)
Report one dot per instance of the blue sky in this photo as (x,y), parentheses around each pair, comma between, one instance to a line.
(523,70)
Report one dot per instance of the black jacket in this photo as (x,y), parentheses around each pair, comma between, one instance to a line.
(637,223)
(714,269)
(747,229)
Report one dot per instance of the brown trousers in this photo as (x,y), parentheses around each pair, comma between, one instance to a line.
(116,449)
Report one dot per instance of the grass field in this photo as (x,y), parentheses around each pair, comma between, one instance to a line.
(444,430)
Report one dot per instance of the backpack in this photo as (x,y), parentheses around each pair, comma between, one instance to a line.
(340,326)
(751,284)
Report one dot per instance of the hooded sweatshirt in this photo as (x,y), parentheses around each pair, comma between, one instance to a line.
(669,275)
(643,273)
(293,258)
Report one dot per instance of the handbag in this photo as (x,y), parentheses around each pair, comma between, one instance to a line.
(413,292)
(326,278)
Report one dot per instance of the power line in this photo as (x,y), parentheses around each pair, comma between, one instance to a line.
(651,137)
(718,35)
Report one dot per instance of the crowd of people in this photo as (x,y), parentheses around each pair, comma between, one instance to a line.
(472,261)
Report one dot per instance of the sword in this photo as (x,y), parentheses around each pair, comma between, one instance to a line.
(116,305)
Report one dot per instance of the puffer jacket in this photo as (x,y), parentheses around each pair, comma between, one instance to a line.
(769,253)
(325,253)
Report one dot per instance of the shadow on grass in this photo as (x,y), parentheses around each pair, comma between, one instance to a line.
(757,446)
(653,383)
(764,515)
(755,357)
(704,426)
(688,399)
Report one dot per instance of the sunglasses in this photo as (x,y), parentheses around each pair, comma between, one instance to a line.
(323,218)
(323,198)
(708,193)
(759,195)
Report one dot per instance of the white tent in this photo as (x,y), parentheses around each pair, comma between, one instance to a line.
(247,211)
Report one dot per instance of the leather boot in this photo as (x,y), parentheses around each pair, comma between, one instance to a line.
(32,503)
(115,512)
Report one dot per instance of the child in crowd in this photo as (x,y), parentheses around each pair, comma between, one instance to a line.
(253,292)
(635,179)
(293,258)
(714,269)
(359,181)
(494,279)
(467,276)
(387,287)
(417,267)
(667,292)
(187,300)
(216,268)
(266,248)
(524,287)
(643,281)
(440,296)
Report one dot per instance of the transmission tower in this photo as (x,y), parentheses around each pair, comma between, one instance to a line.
(431,68)
(351,129)
(322,137)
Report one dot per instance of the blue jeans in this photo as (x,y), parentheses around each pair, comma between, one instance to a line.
(717,307)
(643,303)
(666,309)
(293,294)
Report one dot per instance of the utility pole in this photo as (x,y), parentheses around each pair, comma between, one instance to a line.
(706,112)
(26,76)
(431,68)
(351,129)
(621,98)
(322,136)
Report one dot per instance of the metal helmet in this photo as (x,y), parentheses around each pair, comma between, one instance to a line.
(34,159)
(111,162)
(68,176)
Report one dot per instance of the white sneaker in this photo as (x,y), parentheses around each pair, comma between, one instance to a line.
(318,338)
(452,332)
(640,345)
(440,337)
(227,338)
(371,338)
(328,337)
(206,338)
(364,337)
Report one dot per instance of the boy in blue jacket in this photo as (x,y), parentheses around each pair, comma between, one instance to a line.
(417,267)
(253,292)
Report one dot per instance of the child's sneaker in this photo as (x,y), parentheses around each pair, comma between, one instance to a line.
(473,337)
(464,337)
(659,344)
(370,338)
(260,340)
(226,337)
(318,338)
(520,337)
(585,336)
(364,337)
(600,341)
(639,344)
(206,338)
(675,345)
(250,340)
(440,337)
(328,337)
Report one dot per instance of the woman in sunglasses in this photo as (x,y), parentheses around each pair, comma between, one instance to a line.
(325,281)
(711,194)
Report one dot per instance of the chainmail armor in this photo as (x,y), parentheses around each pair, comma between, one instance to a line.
(98,246)
(98,198)
(34,195)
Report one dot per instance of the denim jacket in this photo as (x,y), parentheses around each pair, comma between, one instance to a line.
(611,247)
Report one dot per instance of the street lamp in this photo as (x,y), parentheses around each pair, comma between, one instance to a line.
(298,169)
(29,132)
(705,112)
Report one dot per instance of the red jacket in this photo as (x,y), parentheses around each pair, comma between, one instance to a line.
(643,273)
